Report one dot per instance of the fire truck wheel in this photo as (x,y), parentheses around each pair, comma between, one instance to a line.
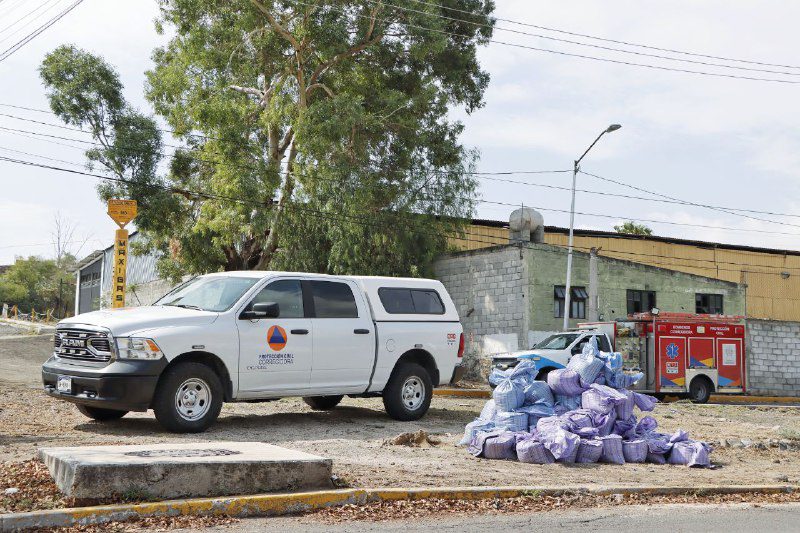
(700,390)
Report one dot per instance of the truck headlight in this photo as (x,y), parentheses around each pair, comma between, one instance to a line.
(138,348)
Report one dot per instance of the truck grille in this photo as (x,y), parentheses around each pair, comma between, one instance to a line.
(82,345)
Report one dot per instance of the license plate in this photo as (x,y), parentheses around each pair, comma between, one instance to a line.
(64,384)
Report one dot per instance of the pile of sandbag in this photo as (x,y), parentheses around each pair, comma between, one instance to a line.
(583,414)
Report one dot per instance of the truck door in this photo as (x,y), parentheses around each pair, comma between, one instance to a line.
(344,337)
(671,363)
(275,353)
(730,364)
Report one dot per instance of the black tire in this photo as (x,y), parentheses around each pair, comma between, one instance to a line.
(700,390)
(413,407)
(187,414)
(322,403)
(100,414)
(542,375)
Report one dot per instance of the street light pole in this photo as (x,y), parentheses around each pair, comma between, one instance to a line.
(575,169)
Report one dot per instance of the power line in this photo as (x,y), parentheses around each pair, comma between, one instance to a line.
(615,41)
(23,17)
(5,54)
(655,221)
(356,218)
(570,54)
(686,202)
(578,43)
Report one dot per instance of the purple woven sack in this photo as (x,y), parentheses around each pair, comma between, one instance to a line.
(644,402)
(565,404)
(587,366)
(561,443)
(601,398)
(508,395)
(571,458)
(690,453)
(578,419)
(565,382)
(512,421)
(612,450)
(626,428)
(533,451)
(500,447)
(625,408)
(538,392)
(589,451)
(605,423)
(634,451)
(656,458)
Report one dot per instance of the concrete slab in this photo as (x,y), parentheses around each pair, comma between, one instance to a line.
(184,470)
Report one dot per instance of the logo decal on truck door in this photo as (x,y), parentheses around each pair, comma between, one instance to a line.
(276,338)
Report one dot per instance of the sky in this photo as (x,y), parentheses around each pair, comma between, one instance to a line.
(716,141)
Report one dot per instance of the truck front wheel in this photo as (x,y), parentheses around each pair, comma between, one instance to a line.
(408,394)
(99,414)
(322,403)
(188,398)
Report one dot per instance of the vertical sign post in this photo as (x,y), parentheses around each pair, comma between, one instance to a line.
(122,212)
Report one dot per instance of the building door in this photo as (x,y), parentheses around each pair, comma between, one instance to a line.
(89,289)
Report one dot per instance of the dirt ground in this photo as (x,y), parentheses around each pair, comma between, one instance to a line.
(354,436)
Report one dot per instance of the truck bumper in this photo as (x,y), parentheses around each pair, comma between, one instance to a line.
(120,385)
(458,373)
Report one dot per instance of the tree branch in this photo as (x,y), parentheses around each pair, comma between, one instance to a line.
(319,85)
(283,32)
(248,90)
(354,50)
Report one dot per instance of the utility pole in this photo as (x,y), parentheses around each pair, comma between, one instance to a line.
(575,169)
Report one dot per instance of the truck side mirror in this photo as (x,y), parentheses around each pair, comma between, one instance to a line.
(262,310)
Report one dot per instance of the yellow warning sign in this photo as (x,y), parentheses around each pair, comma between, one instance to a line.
(119,269)
(122,211)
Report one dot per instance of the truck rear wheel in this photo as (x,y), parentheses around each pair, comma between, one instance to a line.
(100,414)
(408,394)
(188,398)
(322,403)
(700,390)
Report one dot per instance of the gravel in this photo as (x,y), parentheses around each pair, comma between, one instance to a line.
(357,435)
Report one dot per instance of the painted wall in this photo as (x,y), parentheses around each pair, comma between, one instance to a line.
(773,357)
(675,291)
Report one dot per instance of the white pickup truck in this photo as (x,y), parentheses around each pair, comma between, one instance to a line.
(555,351)
(260,336)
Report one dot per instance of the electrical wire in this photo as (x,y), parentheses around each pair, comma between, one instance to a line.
(5,54)
(578,43)
(615,41)
(460,236)
(566,54)
(597,215)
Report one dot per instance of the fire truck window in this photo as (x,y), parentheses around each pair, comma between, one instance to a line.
(641,301)
(577,301)
(710,304)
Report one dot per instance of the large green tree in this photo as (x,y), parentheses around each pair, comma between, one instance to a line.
(320,133)
(39,284)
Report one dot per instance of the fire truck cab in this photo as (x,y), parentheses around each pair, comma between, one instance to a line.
(681,354)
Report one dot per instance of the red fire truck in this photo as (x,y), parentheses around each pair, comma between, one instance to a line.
(681,354)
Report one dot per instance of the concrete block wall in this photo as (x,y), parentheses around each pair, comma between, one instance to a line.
(773,357)
(489,288)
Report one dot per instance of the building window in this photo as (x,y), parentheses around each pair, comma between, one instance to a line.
(641,301)
(577,301)
(708,304)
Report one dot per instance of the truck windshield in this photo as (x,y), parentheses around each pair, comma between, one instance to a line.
(557,342)
(215,293)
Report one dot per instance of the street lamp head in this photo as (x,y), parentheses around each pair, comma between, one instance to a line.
(613,127)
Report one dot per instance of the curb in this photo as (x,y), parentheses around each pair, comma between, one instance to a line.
(723,399)
(283,504)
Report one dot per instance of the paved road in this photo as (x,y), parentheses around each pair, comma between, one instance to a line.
(736,518)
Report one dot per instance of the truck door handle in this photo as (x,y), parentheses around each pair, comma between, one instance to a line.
(361,331)
(299,332)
